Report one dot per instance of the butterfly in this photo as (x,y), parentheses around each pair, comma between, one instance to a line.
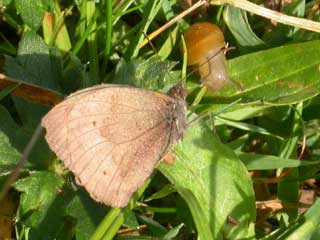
(113,136)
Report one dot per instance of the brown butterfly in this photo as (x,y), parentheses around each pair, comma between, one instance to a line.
(112,136)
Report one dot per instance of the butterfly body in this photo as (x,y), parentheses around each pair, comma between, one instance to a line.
(112,137)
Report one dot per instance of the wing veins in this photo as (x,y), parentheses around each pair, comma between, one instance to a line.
(104,141)
(130,162)
(123,154)
(72,103)
(100,115)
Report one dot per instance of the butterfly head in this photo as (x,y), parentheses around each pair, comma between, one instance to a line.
(178,91)
(178,119)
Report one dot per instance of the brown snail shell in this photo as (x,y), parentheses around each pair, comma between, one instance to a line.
(205,44)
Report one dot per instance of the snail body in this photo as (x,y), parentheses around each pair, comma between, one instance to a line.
(205,44)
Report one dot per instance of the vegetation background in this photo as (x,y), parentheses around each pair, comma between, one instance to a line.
(270,128)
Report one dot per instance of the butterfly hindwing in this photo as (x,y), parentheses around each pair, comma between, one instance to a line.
(111,137)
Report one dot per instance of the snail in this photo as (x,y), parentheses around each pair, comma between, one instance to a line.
(205,50)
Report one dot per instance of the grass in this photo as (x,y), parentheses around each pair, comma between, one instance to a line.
(249,171)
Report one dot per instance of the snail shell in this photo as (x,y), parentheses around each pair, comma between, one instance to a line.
(205,44)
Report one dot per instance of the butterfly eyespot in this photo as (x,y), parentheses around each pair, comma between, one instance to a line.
(205,44)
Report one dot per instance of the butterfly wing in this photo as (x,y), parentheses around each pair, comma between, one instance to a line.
(111,138)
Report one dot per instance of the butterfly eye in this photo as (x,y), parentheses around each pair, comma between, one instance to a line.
(205,44)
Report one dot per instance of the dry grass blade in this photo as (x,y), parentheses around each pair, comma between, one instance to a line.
(172,21)
(31,92)
(270,14)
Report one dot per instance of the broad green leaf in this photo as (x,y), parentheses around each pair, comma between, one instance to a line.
(74,75)
(31,11)
(264,162)
(35,62)
(30,113)
(41,204)
(47,204)
(150,74)
(278,76)
(9,156)
(20,136)
(283,75)
(41,155)
(238,23)
(87,214)
(213,182)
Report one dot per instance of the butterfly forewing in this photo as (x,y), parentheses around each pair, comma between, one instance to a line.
(111,138)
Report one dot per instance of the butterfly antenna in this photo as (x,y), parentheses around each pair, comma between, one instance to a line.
(206,60)
(225,49)
(197,119)
(151,45)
